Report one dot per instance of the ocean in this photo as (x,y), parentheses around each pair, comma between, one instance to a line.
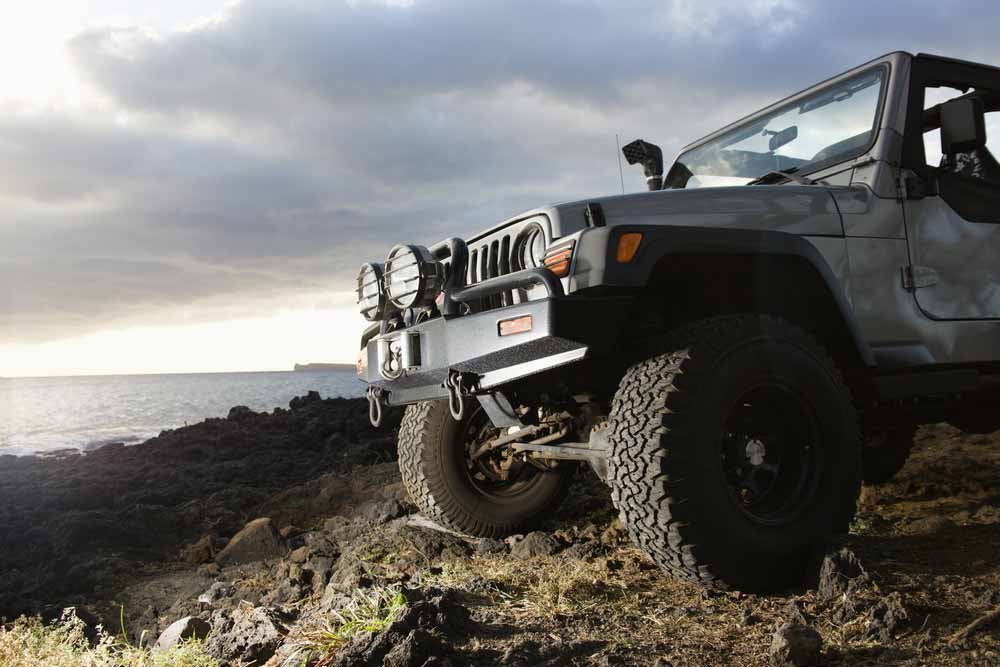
(44,415)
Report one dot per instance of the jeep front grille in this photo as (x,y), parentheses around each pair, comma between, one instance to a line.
(489,259)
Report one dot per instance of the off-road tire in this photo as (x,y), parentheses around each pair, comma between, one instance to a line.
(665,431)
(881,463)
(431,463)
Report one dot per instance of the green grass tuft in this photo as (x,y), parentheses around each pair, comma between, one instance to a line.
(367,612)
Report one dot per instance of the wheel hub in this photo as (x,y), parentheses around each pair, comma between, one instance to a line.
(768,458)
(756,451)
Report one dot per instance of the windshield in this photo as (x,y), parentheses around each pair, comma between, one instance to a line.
(833,124)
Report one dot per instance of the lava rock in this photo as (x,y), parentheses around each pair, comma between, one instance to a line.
(239,413)
(534,544)
(582,551)
(250,635)
(530,653)
(218,591)
(347,575)
(202,551)
(840,572)
(796,645)
(382,512)
(794,614)
(886,618)
(257,541)
(408,641)
(189,627)
(486,545)
(300,402)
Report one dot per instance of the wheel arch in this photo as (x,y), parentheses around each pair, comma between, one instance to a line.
(685,274)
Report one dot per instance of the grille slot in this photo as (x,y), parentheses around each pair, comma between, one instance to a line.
(491,257)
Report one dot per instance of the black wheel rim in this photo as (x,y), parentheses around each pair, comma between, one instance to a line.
(484,472)
(771,454)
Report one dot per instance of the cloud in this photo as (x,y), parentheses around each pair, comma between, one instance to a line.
(267,150)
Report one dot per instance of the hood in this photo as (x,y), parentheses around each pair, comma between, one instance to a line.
(795,209)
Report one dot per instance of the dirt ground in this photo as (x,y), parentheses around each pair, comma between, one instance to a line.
(576,592)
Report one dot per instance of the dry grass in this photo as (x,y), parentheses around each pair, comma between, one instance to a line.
(27,642)
(622,601)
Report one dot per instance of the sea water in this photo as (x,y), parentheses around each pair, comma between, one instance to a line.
(45,415)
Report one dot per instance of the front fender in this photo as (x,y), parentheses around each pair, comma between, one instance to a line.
(595,265)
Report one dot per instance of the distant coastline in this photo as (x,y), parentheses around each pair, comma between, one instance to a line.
(323,367)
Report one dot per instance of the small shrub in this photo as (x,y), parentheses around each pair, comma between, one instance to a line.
(368,611)
(27,642)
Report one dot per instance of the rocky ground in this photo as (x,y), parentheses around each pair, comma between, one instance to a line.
(287,539)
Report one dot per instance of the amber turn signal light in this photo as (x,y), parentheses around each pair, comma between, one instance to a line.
(515,325)
(628,245)
(557,259)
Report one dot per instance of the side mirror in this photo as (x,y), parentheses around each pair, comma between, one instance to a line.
(650,157)
(963,125)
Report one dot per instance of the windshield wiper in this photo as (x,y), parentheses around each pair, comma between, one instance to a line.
(774,177)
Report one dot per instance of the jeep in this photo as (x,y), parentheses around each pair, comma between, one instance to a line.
(734,351)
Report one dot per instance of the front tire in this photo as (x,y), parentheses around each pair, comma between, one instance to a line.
(734,452)
(466,495)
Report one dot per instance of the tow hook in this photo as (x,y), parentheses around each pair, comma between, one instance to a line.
(376,396)
(456,402)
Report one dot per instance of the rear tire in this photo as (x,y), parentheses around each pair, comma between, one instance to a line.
(735,452)
(455,493)
(881,462)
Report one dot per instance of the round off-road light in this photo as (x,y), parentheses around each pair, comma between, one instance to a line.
(412,277)
(371,295)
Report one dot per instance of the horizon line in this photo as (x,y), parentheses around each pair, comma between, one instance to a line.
(146,373)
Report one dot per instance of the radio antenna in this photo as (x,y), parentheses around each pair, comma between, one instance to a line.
(621,173)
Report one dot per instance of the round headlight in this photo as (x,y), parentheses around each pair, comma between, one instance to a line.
(371,296)
(530,248)
(412,277)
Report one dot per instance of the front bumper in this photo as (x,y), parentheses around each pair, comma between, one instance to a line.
(472,345)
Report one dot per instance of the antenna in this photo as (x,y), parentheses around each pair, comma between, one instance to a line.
(621,173)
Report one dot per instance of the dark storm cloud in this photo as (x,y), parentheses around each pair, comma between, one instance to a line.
(270,150)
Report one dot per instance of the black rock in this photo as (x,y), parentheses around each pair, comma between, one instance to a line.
(300,402)
(796,645)
(257,541)
(886,618)
(382,512)
(582,551)
(217,592)
(840,572)
(240,413)
(249,634)
(534,544)
(486,545)
(408,641)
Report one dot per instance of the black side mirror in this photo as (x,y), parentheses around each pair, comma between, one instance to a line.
(963,125)
(650,157)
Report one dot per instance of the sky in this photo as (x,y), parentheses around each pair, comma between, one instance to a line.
(191,186)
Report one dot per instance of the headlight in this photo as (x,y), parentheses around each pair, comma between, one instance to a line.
(412,277)
(371,296)
(530,248)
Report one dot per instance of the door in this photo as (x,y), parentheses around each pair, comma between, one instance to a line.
(953,235)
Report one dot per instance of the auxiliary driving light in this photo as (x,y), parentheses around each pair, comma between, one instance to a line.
(371,296)
(412,277)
